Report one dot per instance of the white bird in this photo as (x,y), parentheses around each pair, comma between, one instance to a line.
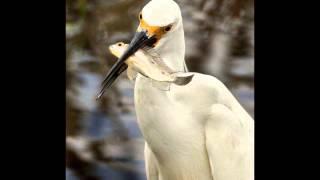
(198,131)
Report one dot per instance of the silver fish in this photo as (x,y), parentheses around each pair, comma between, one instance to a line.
(148,63)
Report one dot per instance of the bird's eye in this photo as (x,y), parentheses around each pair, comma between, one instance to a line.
(140,16)
(168,28)
(119,44)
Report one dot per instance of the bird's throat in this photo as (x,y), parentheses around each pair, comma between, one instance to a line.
(172,50)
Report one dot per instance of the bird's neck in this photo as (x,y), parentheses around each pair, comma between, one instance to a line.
(172,50)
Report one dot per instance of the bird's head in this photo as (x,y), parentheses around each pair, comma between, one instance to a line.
(160,25)
(160,19)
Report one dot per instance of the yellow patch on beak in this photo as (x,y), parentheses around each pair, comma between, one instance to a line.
(155,31)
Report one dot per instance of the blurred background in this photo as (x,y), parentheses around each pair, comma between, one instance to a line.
(103,139)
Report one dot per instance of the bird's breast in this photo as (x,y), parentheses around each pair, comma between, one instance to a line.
(174,135)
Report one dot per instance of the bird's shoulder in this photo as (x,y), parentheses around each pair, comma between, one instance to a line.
(203,89)
(205,80)
(206,84)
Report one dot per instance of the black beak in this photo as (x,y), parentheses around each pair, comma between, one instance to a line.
(139,41)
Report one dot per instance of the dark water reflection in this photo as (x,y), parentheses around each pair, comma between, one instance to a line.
(103,138)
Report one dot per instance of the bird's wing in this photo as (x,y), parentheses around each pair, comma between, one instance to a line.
(151,164)
(229,144)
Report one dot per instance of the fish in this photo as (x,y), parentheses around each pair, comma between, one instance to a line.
(149,64)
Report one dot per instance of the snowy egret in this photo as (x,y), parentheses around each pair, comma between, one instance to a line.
(198,131)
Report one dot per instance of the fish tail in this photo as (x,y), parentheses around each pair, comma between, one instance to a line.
(181,81)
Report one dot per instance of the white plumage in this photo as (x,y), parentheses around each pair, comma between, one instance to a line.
(194,132)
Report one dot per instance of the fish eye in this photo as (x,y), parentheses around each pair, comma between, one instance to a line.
(168,28)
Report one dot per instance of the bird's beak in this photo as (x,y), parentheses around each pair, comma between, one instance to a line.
(139,41)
